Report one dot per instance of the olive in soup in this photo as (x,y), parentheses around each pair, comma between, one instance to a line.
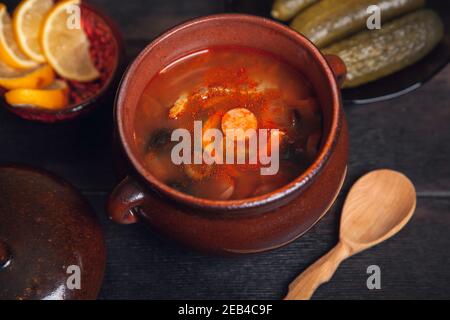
(228,123)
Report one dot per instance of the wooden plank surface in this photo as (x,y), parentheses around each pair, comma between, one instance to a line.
(146,19)
(410,134)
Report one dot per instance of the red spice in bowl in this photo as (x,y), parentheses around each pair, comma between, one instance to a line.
(106,51)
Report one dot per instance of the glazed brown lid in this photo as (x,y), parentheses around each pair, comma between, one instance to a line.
(51,244)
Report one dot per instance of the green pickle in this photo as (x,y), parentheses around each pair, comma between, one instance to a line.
(287,9)
(332,20)
(371,55)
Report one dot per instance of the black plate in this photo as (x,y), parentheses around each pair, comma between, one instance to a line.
(389,87)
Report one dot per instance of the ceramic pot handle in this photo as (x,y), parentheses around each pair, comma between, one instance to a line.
(338,67)
(303,287)
(124,201)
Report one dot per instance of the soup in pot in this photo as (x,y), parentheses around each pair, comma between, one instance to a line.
(228,123)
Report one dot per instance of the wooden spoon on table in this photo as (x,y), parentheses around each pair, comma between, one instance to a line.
(378,206)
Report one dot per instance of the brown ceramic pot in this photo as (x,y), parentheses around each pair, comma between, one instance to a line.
(241,226)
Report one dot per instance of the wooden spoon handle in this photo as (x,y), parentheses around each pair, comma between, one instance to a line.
(303,287)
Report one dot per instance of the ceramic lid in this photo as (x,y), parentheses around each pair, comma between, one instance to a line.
(51,244)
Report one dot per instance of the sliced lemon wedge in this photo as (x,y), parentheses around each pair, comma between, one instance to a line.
(28,21)
(9,50)
(35,78)
(53,97)
(66,46)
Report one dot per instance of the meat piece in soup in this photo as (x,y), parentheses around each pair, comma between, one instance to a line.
(229,88)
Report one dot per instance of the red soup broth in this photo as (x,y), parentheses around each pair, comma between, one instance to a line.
(205,86)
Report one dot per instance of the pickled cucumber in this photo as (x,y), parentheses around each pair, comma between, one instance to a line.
(286,9)
(371,55)
(332,20)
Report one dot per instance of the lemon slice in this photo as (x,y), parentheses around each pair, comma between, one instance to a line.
(54,97)
(65,46)
(28,19)
(36,78)
(9,50)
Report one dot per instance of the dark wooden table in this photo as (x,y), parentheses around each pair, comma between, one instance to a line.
(410,134)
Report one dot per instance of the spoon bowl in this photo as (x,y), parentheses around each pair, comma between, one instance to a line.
(378,206)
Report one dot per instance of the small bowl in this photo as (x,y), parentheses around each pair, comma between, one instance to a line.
(80,108)
(238,226)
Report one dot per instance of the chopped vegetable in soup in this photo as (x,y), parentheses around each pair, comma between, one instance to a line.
(213,93)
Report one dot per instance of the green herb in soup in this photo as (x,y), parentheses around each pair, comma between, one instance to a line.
(220,91)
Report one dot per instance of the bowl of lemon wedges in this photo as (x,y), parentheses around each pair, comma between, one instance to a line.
(57,58)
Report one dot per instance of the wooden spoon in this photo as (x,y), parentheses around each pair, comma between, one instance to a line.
(378,206)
